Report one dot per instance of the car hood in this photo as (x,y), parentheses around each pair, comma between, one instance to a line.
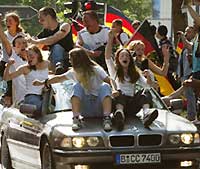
(165,122)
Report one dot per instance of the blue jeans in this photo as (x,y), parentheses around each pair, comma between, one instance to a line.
(191,101)
(56,54)
(91,106)
(34,100)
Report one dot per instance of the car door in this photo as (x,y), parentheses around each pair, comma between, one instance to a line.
(23,137)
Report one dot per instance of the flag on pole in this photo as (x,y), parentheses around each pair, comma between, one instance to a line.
(144,33)
(75,26)
(179,46)
(112,13)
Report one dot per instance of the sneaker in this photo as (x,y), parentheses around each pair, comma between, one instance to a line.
(59,69)
(76,124)
(119,119)
(196,122)
(150,117)
(107,124)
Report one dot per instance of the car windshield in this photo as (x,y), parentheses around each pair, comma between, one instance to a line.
(63,92)
(155,99)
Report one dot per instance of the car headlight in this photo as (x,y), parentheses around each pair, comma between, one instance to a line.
(93,141)
(78,142)
(66,142)
(174,139)
(187,138)
(196,138)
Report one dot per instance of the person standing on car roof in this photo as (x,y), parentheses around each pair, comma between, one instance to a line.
(57,36)
(91,91)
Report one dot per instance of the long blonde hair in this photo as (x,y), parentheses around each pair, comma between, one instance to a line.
(83,66)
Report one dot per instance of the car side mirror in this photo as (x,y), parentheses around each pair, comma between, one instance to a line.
(176,105)
(27,109)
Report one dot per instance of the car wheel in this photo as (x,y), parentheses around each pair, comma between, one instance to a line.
(46,156)
(5,155)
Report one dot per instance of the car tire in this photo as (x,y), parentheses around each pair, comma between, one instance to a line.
(47,161)
(5,155)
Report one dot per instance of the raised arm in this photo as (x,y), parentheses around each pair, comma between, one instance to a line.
(9,76)
(108,50)
(161,71)
(64,30)
(5,41)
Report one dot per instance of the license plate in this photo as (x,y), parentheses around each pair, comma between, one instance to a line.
(138,158)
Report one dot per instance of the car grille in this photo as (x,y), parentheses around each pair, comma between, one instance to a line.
(122,141)
(150,140)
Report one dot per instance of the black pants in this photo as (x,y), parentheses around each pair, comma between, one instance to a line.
(132,105)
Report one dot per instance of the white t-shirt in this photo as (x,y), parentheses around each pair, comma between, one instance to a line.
(18,83)
(95,81)
(96,40)
(10,38)
(40,75)
(124,38)
(126,86)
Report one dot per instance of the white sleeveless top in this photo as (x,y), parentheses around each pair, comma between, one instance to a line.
(35,75)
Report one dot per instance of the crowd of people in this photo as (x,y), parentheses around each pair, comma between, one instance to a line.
(104,81)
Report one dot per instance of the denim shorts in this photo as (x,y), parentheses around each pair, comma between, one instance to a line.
(34,100)
(91,106)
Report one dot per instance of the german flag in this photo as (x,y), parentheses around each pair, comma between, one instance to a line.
(112,13)
(179,46)
(145,34)
(75,26)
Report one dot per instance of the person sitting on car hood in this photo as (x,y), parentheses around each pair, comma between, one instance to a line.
(36,68)
(125,74)
(90,93)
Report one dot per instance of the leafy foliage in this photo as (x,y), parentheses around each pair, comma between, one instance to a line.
(134,9)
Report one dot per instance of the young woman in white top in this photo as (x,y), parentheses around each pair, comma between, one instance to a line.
(37,68)
(91,96)
(12,22)
(125,74)
(19,55)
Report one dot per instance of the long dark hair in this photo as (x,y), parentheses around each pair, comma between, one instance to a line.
(83,65)
(132,71)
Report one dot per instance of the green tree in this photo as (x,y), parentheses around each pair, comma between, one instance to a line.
(134,9)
